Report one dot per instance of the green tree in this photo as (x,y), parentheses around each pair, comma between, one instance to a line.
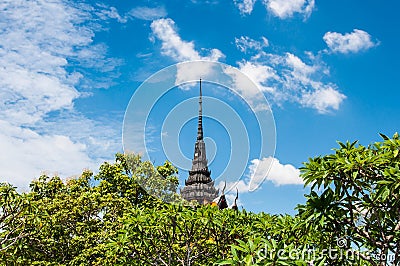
(67,223)
(113,218)
(17,215)
(276,240)
(355,200)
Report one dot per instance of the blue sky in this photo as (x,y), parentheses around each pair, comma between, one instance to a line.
(68,69)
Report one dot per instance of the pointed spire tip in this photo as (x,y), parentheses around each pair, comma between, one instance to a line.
(200,122)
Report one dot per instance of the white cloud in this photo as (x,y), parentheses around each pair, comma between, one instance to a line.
(148,13)
(272,170)
(323,99)
(245,44)
(40,43)
(176,48)
(250,86)
(266,169)
(33,78)
(185,74)
(30,95)
(279,8)
(287,78)
(206,2)
(298,66)
(287,8)
(27,154)
(36,47)
(107,12)
(353,42)
(259,74)
(245,6)
(310,90)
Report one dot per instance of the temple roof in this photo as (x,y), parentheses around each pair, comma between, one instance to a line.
(199,185)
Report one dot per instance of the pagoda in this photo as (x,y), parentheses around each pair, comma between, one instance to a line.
(199,186)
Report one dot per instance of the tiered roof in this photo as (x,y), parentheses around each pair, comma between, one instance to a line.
(199,186)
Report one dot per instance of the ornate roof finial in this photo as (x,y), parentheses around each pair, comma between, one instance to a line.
(223,190)
(222,204)
(234,206)
(200,122)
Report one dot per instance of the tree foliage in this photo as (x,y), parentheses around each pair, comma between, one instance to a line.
(350,217)
(355,198)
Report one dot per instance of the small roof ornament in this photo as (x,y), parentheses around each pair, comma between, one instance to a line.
(234,206)
(222,204)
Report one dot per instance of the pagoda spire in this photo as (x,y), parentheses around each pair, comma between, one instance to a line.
(200,120)
(199,186)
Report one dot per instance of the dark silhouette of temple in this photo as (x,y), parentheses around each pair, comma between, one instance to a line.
(199,186)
